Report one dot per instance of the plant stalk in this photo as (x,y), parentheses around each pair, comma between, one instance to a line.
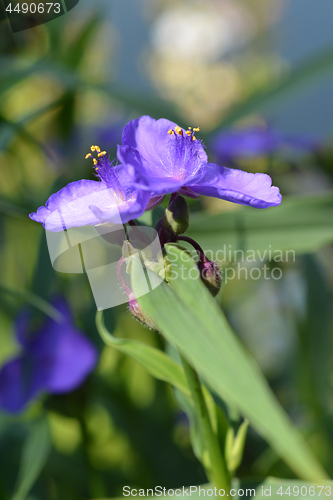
(217,472)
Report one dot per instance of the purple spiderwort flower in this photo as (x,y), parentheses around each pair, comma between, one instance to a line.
(55,358)
(86,202)
(256,141)
(165,158)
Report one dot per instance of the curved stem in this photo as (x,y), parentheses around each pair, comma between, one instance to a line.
(217,471)
(140,235)
(193,243)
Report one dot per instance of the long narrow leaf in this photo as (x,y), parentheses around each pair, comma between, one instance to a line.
(35,453)
(156,362)
(34,300)
(190,318)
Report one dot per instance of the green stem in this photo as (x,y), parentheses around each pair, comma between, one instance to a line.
(217,472)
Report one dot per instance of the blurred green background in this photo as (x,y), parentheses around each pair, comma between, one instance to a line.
(215,64)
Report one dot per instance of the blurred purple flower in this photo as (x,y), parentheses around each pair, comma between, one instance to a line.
(165,158)
(256,141)
(55,358)
(111,199)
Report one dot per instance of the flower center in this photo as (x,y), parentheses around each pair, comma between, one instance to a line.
(179,131)
(105,171)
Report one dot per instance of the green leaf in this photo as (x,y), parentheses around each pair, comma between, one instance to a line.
(314,356)
(307,491)
(34,300)
(73,57)
(8,208)
(9,128)
(303,224)
(156,362)
(191,319)
(35,453)
(235,446)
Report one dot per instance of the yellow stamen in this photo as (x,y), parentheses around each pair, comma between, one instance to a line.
(98,149)
(95,162)
(102,154)
(197,129)
(170,132)
(89,155)
(93,148)
(193,138)
(179,130)
(188,132)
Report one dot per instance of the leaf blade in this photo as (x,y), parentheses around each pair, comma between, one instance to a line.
(156,362)
(201,332)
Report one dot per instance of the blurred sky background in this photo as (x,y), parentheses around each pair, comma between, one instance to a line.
(302,28)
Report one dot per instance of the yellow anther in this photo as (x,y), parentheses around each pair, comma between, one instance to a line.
(93,148)
(197,129)
(179,130)
(102,154)
(190,128)
(89,155)
(193,138)
(98,149)
(95,162)
(170,132)
(188,132)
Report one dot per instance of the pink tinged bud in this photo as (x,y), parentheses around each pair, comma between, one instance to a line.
(136,310)
(134,306)
(210,275)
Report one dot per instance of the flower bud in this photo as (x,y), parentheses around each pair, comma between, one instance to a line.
(176,217)
(210,275)
(128,249)
(136,310)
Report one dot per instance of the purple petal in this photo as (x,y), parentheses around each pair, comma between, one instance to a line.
(125,211)
(162,154)
(62,355)
(69,207)
(64,358)
(56,359)
(237,186)
(16,387)
(154,202)
(21,326)
(148,136)
(256,141)
(144,178)
(77,204)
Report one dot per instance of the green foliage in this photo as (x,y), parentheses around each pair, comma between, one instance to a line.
(301,224)
(157,363)
(35,453)
(137,444)
(189,317)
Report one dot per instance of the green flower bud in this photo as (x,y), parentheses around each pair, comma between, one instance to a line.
(176,217)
